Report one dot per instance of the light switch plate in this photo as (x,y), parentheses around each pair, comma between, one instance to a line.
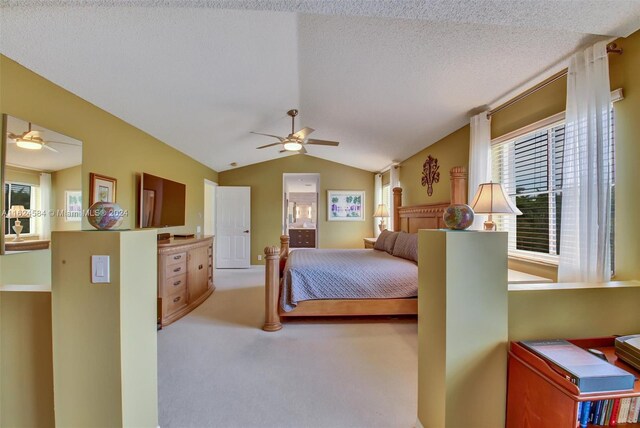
(100,269)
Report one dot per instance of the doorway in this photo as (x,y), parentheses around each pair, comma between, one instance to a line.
(300,209)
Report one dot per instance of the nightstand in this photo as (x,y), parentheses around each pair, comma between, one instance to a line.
(369,242)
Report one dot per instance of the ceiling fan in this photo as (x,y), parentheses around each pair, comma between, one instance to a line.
(32,140)
(296,141)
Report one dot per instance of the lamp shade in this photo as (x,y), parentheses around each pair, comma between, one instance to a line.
(381,211)
(491,199)
(17,211)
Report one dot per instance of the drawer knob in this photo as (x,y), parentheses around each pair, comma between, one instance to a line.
(177,299)
(177,283)
(199,267)
(177,257)
(177,269)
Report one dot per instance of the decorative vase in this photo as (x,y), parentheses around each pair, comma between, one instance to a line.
(105,215)
(458,216)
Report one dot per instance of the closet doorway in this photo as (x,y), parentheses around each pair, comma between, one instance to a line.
(300,209)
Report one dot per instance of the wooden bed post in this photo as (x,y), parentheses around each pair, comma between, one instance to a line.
(458,177)
(397,203)
(272,289)
(284,246)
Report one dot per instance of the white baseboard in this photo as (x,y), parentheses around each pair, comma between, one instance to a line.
(419,424)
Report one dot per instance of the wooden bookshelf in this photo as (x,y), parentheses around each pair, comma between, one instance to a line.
(540,397)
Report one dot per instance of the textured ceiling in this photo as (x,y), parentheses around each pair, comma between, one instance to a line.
(385,78)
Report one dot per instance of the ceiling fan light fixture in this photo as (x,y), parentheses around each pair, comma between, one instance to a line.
(292,146)
(28,144)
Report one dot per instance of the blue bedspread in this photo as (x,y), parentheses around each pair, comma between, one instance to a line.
(346,274)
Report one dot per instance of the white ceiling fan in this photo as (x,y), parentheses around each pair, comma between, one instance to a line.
(296,141)
(32,140)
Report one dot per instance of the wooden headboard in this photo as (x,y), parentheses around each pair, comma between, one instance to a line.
(411,218)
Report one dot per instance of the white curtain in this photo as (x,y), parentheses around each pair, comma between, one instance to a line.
(45,205)
(587,171)
(394,181)
(377,199)
(479,159)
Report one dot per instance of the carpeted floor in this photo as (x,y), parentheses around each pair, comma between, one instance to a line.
(218,369)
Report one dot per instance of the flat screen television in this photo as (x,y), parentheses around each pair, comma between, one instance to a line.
(162,202)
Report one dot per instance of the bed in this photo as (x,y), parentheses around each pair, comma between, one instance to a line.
(388,298)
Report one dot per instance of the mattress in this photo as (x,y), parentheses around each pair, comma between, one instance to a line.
(315,274)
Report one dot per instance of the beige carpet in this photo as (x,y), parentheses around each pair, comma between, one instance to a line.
(218,369)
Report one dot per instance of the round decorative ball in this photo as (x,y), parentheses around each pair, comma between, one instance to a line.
(458,216)
(105,215)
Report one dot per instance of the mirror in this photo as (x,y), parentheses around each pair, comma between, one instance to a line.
(42,182)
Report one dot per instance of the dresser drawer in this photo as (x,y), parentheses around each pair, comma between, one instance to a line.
(174,285)
(175,302)
(176,269)
(173,259)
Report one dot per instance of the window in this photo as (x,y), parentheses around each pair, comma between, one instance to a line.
(19,194)
(530,170)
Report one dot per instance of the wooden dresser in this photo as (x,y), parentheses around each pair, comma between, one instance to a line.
(302,238)
(185,276)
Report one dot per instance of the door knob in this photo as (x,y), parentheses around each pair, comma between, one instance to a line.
(246,231)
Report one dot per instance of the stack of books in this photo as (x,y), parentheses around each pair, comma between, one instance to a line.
(608,412)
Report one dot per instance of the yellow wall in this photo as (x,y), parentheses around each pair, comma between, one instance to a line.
(61,181)
(21,175)
(26,398)
(626,68)
(265,180)
(452,150)
(574,313)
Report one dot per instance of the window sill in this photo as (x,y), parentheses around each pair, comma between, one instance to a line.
(534,261)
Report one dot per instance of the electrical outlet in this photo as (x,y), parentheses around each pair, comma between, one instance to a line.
(259,257)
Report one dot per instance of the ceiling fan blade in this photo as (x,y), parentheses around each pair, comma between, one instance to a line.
(50,148)
(302,150)
(268,145)
(323,142)
(303,133)
(62,142)
(267,135)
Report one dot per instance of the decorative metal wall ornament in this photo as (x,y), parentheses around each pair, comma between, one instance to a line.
(430,173)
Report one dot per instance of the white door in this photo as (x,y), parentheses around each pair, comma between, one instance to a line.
(233,227)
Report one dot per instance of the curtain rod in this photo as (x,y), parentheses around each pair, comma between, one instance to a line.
(611,48)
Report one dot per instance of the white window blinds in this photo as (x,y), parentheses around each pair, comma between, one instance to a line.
(530,170)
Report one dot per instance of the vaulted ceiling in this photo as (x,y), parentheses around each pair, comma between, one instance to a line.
(385,78)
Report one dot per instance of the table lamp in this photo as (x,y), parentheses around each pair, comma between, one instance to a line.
(491,199)
(17,212)
(381,212)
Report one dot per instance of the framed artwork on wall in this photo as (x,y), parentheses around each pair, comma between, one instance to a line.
(345,205)
(73,205)
(101,188)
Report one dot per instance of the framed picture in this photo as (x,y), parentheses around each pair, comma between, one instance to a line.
(101,189)
(345,205)
(72,205)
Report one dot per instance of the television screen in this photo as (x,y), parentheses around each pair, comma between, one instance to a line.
(162,202)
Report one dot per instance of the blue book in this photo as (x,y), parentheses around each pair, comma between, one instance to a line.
(586,411)
(596,412)
(588,372)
